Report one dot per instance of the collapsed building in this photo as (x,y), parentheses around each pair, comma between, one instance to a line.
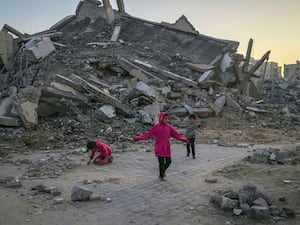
(115,64)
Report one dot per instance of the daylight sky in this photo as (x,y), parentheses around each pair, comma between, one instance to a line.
(272,24)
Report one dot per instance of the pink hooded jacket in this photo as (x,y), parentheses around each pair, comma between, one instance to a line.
(162,133)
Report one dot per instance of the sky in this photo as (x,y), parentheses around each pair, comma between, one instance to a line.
(272,24)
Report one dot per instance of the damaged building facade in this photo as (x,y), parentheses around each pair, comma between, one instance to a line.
(115,64)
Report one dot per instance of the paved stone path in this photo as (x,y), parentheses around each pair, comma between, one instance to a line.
(150,201)
(140,197)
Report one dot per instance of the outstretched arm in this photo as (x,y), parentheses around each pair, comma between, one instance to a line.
(177,136)
(145,136)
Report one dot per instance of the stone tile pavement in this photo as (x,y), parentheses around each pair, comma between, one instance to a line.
(146,200)
(137,195)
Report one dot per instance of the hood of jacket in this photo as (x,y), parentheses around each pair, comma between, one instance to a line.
(161,118)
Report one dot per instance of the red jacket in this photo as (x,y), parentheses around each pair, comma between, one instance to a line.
(104,149)
(162,133)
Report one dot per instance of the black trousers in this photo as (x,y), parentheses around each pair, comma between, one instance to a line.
(164,163)
(191,145)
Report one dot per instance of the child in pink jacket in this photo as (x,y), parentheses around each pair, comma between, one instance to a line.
(162,133)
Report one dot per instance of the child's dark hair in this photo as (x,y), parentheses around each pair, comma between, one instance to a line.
(192,116)
(90,145)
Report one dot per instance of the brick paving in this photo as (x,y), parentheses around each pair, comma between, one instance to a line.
(137,195)
(150,201)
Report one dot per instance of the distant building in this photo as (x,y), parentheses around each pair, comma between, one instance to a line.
(267,70)
(292,71)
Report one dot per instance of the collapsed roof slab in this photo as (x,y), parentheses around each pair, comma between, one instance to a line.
(163,41)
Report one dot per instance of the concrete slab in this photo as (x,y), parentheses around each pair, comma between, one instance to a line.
(39,48)
(10,121)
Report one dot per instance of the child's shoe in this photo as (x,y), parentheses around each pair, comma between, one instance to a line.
(162,179)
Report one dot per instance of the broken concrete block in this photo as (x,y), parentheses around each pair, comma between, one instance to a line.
(26,103)
(199,67)
(202,112)
(206,76)
(182,24)
(250,89)
(39,48)
(232,103)
(12,30)
(64,80)
(101,95)
(121,7)
(59,89)
(153,110)
(57,201)
(256,191)
(144,117)
(108,110)
(5,105)
(226,203)
(10,121)
(227,78)
(116,33)
(219,104)
(6,49)
(168,74)
(136,71)
(90,9)
(110,16)
(261,202)
(188,108)
(11,182)
(146,90)
(226,62)
(259,212)
(80,194)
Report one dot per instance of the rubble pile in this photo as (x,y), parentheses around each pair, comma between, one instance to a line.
(254,201)
(100,71)
(274,156)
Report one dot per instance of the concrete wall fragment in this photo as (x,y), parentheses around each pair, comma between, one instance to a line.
(26,103)
(6,49)
(12,30)
(59,89)
(90,9)
(136,71)
(10,121)
(199,67)
(219,104)
(5,105)
(168,74)
(116,33)
(102,96)
(110,16)
(121,6)
(182,24)
(39,48)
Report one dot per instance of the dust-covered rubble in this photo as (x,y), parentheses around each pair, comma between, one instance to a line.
(81,78)
(254,201)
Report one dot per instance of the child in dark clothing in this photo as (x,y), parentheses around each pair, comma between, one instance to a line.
(162,133)
(190,135)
